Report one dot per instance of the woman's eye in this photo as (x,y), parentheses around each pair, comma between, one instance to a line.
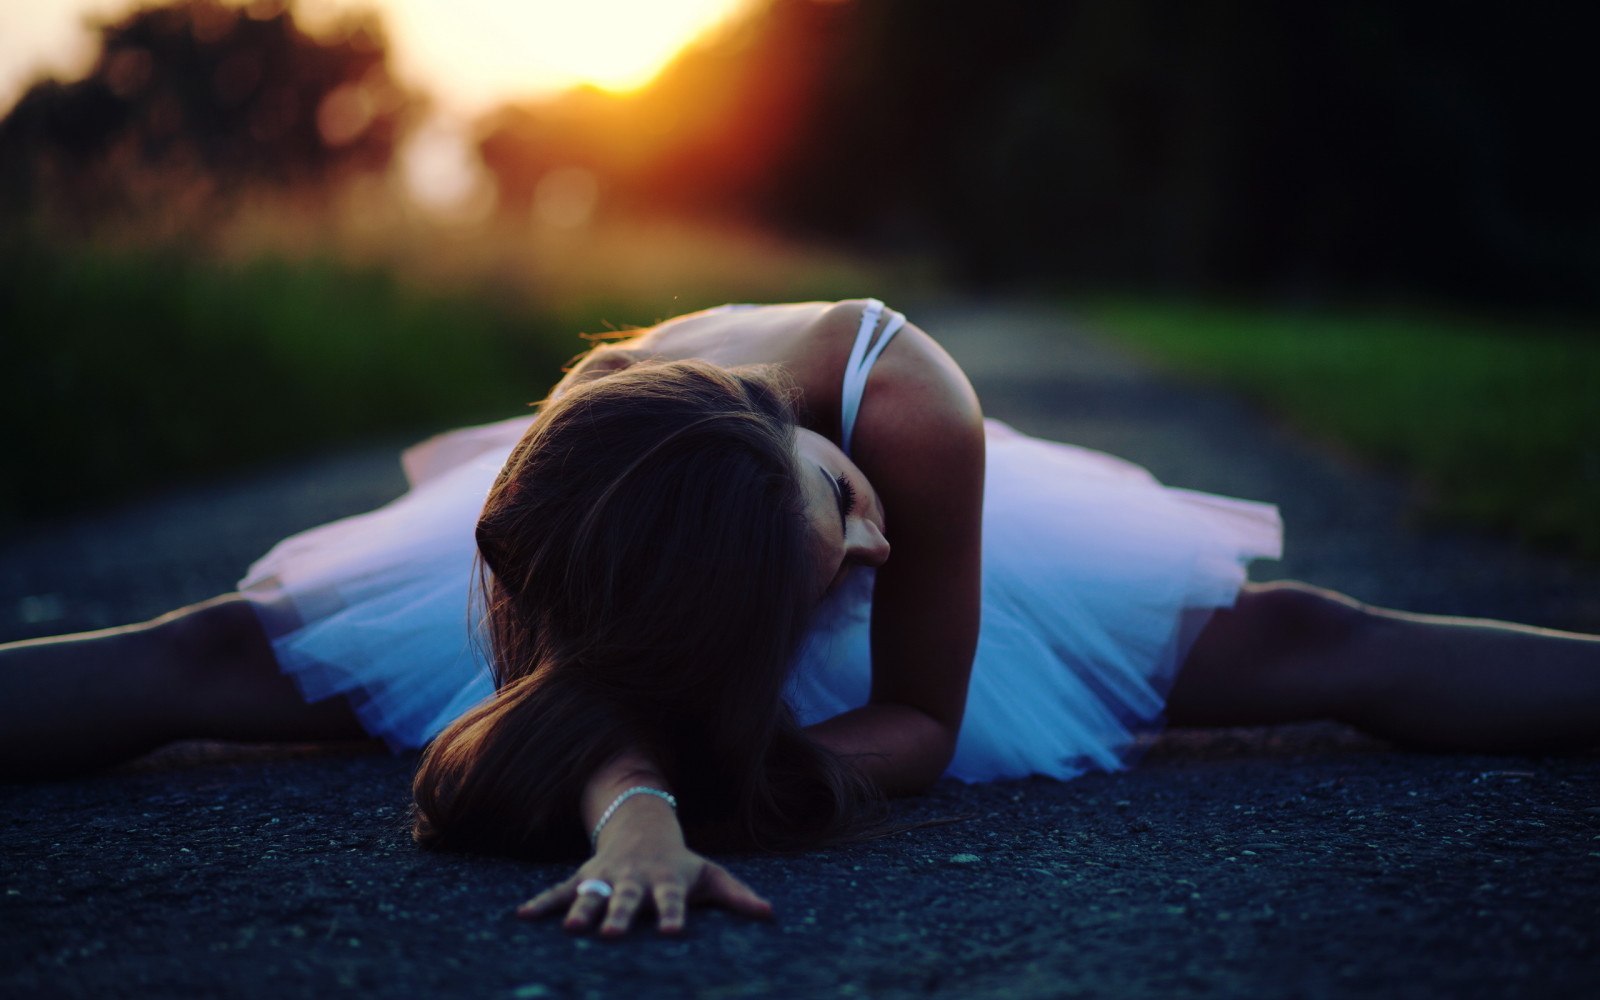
(847,495)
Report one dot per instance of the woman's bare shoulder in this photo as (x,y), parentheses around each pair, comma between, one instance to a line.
(812,341)
(746,334)
(918,392)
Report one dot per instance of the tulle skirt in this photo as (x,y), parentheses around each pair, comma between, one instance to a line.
(1096,578)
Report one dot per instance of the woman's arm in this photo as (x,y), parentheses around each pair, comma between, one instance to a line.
(919,440)
(641,854)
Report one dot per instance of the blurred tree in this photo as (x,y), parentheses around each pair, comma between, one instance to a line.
(190,104)
(1368,147)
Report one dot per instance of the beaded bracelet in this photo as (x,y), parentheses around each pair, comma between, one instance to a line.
(605,817)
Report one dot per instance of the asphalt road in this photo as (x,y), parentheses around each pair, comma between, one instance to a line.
(1294,862)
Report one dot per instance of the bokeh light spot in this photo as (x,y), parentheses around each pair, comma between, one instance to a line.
(566,198)
(344,114)
(443,174)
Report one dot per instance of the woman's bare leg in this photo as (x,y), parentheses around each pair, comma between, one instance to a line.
(1289,652)
(76,703)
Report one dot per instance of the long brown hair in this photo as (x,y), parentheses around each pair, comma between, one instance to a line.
(646,577)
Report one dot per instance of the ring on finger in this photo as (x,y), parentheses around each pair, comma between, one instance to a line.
(595,887)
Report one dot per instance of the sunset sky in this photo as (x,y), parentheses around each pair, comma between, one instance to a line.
(469,53)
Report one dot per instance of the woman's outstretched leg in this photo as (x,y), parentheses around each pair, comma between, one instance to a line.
(1289,652)
(76,703)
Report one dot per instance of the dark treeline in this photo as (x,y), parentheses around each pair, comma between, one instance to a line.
(1365,148)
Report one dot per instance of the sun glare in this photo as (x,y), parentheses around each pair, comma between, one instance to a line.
(470,54)
(467,55)
(476,52)
(38,39)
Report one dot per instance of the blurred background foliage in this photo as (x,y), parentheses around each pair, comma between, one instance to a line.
(211,254)
(1234,146)
(190,108)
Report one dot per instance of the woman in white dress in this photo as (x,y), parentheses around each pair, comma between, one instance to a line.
(689,595)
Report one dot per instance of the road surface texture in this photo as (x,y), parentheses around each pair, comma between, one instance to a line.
(1294,862)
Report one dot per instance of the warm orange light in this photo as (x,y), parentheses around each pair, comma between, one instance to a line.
(479,52)
(473,54)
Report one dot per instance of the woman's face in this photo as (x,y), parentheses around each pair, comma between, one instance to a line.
(847,524)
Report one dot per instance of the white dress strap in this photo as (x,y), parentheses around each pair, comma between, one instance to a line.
(860,364)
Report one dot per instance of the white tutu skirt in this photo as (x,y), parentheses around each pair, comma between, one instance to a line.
(1096,580)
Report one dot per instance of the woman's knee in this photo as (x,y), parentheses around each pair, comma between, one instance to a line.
(1293,617)
(199,629)
(1273,657)
(212,643)
(231,685)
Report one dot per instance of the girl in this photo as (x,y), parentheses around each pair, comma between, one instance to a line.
(743,575)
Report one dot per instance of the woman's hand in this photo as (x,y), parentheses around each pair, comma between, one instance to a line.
(642,857)
(667,880)
(668,883)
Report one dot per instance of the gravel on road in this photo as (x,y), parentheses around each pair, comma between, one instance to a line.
(1302,861)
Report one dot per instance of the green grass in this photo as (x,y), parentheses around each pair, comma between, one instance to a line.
(1496,424)
(120,370)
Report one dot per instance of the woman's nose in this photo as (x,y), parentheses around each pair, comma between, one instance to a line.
(867,545)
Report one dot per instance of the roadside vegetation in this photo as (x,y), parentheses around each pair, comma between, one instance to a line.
(127,368)
(1497,425)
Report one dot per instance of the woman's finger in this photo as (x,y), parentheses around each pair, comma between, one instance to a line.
(586,906)
(548,901)
(591,900)
(670,905)
(718,886)
(625,900)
